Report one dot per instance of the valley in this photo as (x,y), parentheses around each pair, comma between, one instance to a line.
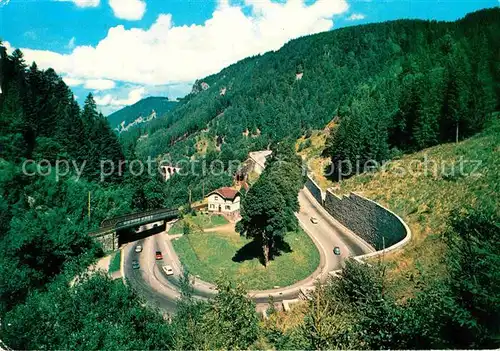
(339,192)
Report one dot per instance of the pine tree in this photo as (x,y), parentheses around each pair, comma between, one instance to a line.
(483,99)
(426,125)
(89,113)
(70,131)
(456,95)
(12,145)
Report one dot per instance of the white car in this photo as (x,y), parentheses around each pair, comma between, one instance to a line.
(138,248)
(168,270)
(314,220)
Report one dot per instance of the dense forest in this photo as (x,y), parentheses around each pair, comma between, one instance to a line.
(400,86)
(392,87)
(44,217)
(397,87)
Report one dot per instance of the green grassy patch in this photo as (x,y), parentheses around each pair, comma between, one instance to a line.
(177,228)
(114,263)
(200,221)
(310,150)
(206,221)
(210,255)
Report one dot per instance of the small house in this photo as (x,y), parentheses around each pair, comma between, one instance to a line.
(224,200)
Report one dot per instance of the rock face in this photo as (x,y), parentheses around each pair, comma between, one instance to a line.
(199,86)
(124,127)
(204,86)
(149,108)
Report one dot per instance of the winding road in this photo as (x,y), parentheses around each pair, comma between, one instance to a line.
(156,288)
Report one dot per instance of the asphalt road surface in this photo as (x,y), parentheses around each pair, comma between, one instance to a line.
(157,289)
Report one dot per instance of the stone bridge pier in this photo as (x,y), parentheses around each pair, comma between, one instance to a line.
(109,241)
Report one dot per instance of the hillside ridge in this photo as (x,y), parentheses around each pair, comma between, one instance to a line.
(141,112)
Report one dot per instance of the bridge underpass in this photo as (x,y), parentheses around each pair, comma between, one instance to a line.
(133,234)
(121,229)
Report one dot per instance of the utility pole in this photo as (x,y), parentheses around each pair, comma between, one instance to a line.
(89,207)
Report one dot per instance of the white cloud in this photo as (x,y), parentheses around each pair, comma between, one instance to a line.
(167,54)
(132,10)
(99,84)
(72,82)
(134,95)
(84,3)
(356,17)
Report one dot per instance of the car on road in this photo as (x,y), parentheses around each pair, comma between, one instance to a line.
(168,270)
(158,255)
(135,264)
(138,248)
(336,250)
(314,220)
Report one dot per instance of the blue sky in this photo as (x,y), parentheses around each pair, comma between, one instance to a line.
(124,50)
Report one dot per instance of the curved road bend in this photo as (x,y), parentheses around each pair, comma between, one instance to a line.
(151,282)
(329,233)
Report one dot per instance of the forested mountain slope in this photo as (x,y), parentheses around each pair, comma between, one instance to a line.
(144,108)
(405,84)
(52,192)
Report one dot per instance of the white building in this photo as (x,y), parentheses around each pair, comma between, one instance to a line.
(226,200)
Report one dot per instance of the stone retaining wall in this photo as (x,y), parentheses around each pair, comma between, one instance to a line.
(375,224)
(314,189)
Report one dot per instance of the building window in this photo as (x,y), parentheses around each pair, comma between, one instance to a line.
(211,206)
(228,207)
(216,197)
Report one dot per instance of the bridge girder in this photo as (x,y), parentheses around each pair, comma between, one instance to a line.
(133,220)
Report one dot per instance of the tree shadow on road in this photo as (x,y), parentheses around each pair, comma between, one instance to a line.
(253,250)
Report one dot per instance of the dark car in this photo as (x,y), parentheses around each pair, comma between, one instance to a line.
(336,250)
(135,264)
(158,255)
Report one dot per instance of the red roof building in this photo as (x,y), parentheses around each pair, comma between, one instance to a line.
(224,200)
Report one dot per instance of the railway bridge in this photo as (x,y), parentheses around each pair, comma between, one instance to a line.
(109,232)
